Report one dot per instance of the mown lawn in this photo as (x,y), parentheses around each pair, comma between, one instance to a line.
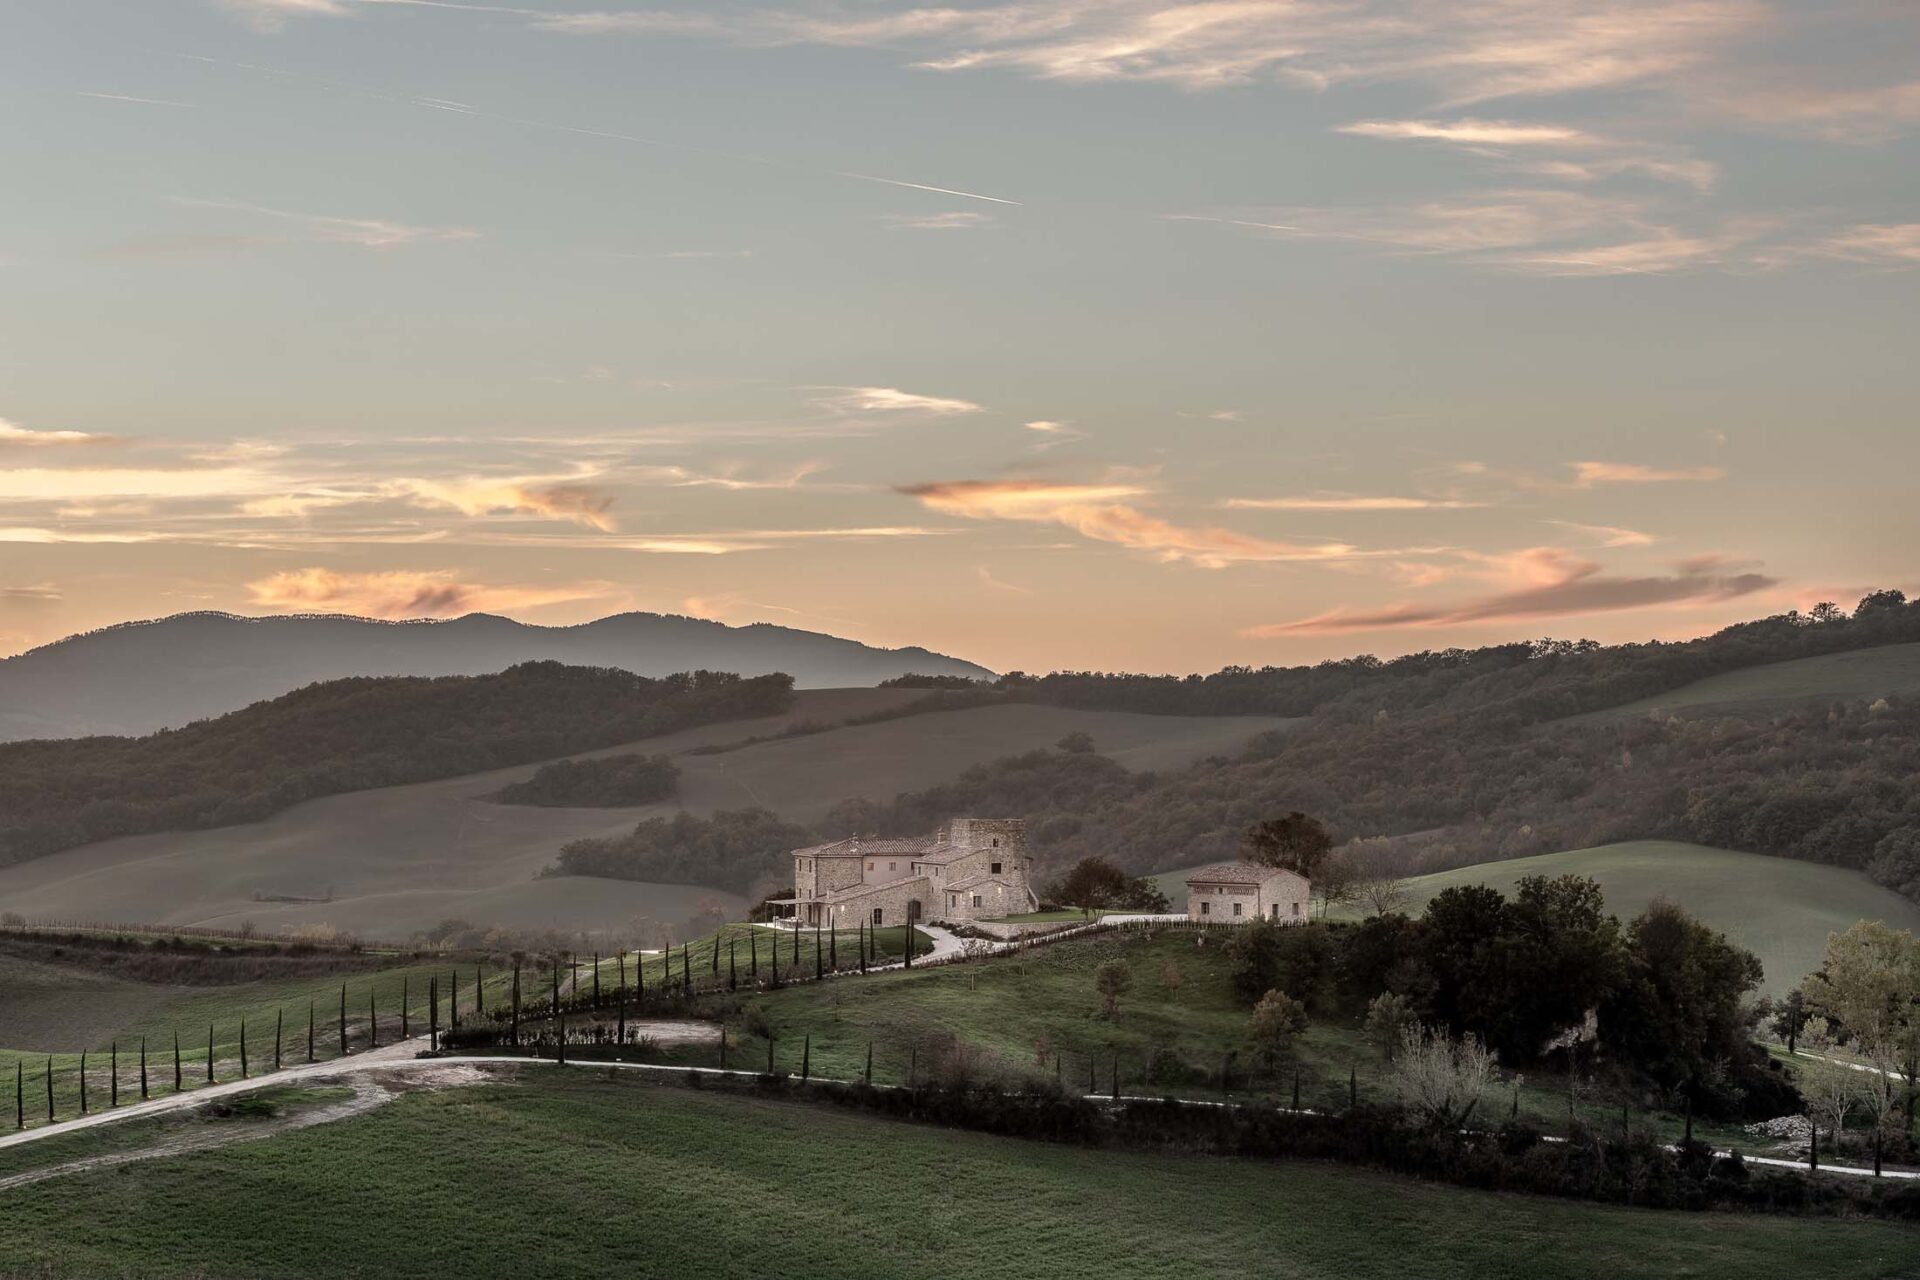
(572,1174)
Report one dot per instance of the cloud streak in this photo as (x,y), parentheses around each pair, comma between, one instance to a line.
(403,593)
(890,400)
(1563,586)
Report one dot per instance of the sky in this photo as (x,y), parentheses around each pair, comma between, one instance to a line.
(1054,334)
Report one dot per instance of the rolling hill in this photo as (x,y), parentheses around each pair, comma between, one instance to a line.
(1879,672)
(143,676)
(392,861)
(1777,908)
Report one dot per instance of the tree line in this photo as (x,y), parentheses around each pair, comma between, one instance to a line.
(606,782)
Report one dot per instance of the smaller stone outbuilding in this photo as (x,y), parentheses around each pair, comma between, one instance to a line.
(1242,892)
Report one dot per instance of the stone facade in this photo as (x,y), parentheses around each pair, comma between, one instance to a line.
(970,869)
(1242,892)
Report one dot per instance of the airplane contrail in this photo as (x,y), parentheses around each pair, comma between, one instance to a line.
(458,108)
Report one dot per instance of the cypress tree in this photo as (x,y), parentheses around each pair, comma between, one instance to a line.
(373,1020)
(49,1088)
(620,957)
(556,984)
(908,963)
(279,1032)
(769,1056)
(405,1029)
(1059,1070)
(563,1039)
(596,979)
(433,1015)
(796,942)
(753,956)
(723,1046)
(479,993)
(733,968)
(143,1068)
(513,1024)
(640,979)
(819,955)
(343,1019)
(620,1031)
(113,1076)
(573,974)
(833,950)
(83,1082)
(863,946)
(806,1057)
(686,972)
(176,1062)
(869,1076)
(453,996)
(715,968)
(243,1049)
(310,1029)
(19,1093)
(1093,1074)
(209,1053)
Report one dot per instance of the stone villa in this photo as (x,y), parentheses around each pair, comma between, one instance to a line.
(970,869)
(1233,892)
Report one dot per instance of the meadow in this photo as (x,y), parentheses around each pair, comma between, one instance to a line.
(575,1174)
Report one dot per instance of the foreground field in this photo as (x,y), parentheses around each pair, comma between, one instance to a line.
(1779,909)
(1860,673)
(390,862)
(584,1176)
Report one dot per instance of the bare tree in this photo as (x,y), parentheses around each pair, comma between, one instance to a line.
(1112,980)
(1440,1078)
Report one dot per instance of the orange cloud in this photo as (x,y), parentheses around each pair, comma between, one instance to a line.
(1588,475)
(525,495)
(1346,502)
(1095,511)
(12,434)
(1555,584)
(403,593)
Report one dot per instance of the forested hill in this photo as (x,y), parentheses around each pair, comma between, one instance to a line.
(144,676)
(1462,757)
(346,735)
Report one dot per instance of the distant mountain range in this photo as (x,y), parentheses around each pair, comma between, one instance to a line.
(142,676)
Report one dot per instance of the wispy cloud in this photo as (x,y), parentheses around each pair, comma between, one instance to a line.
(1347,502)
(960,221)
(403,593)
(1895,244)
(987,579)
(1100,512)
(131,98)
(890,400)
(368,233)
(549,497)
(1548,150)
(12,435)
(1053,434)
(1591,475)
(1607,535)
(1563,586)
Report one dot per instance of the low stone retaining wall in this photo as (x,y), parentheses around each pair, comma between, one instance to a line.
(1007,931)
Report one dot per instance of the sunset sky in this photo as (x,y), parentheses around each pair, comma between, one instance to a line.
(1129,334)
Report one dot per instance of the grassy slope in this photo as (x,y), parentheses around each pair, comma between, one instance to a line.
(1860,673)
(591,1177)
(403,858)
(1779,909)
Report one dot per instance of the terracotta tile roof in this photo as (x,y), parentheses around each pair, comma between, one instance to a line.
(1235,873)
(869,846)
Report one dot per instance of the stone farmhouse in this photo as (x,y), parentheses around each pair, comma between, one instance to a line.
(970,869)
(1242,892)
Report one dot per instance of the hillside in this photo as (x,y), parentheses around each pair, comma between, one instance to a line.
(345,735)
(1779,909)
(596,1176)
(1882,671)
(143,676)
(400,859)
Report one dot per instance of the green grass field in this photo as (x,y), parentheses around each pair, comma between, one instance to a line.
(586,1176)
(1861,673)
(1779,909)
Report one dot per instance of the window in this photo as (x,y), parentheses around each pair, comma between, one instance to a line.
(996,842)
(995,868)
(1296,908)
(1206,908)
(869,864)
(893,866)
(976,899)
(1236,908)
(953,900)
(876,915)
